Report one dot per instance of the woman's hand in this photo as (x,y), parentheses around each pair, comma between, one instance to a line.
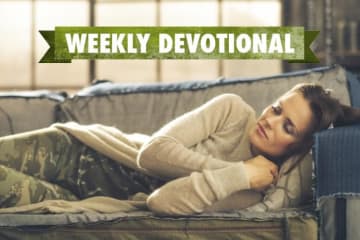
(261,172)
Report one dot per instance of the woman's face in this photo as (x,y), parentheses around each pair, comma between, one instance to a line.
(281,125)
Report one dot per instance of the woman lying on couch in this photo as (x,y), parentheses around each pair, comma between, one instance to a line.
(216,157)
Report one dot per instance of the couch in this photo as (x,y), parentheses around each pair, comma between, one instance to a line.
(145,108)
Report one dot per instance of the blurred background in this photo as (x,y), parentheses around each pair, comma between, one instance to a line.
(22,46)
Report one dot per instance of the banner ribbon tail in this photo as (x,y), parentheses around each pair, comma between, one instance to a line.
(309,56)
(49,56)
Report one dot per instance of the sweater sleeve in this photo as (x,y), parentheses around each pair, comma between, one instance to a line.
(195,193)
(167,153)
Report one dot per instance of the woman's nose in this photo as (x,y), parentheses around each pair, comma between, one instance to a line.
(271,121)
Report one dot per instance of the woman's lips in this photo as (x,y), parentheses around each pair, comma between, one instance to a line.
(261,131)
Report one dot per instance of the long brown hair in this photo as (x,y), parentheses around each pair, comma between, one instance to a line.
(327,111)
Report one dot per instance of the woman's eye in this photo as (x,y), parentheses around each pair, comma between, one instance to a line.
(288,129)
(276,109)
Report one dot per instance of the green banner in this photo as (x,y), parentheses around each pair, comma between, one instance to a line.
(286,43)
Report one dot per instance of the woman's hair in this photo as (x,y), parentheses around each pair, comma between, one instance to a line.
(326,110)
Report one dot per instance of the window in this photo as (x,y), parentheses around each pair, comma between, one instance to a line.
(23,46)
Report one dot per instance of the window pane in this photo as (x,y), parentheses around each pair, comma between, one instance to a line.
(141,13)
(189,13)
(60,13)
(183,70)
(15,41)
(131,13)
(143,71)
(251,13)
(251,68)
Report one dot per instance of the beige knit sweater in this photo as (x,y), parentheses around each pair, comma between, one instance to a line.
(202,152)
(204,149)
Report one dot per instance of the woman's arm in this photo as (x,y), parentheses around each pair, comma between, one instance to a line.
(194,193)
(167,158)
(201,190)
(167,153)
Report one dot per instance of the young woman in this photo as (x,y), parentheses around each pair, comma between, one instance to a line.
(216,157)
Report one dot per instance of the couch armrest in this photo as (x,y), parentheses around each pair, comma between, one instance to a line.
(336,152)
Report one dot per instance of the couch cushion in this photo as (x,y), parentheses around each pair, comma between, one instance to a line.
(354,88)
(336,153)
(144,225)
(27,110)
(145,108)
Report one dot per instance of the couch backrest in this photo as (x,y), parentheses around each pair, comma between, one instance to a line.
(145,108)
(27,110)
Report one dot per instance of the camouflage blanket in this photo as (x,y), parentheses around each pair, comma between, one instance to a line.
(50,170)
